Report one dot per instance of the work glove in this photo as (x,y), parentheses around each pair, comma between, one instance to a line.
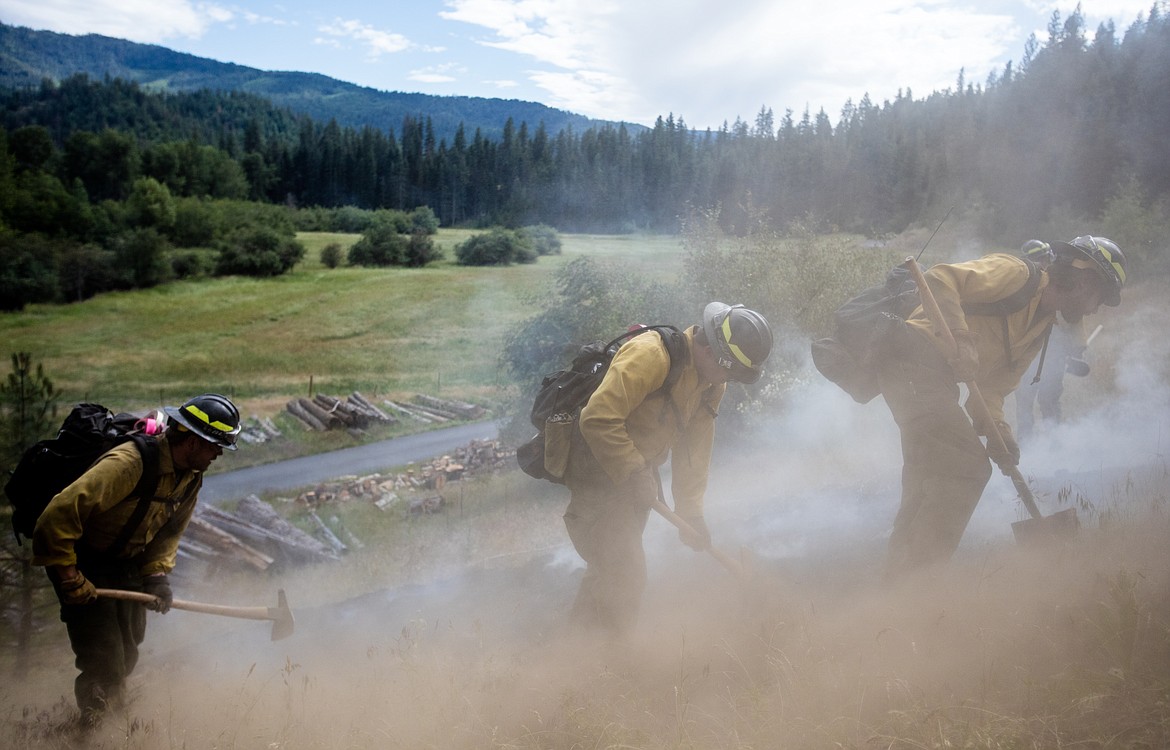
(76,591)
(965,362)
(160,588)
(1010,458)
(701,538)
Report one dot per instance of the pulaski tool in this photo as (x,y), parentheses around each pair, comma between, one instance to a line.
(281,615)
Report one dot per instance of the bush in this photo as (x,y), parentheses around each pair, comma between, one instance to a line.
(350,219)
(258,251)
(141,254)
(28,270)
(194,223)
(423,219)
(86,270)
(498,247)
(421,249)
(380,246)
(543,238)
(192,264)
(331,255)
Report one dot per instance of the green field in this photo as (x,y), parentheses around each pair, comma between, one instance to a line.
(382,331)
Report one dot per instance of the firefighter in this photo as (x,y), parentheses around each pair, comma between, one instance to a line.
(626,434)
(90,537)
(945,465)
(1065,352)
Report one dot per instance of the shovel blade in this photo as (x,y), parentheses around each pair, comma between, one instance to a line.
(1054,528)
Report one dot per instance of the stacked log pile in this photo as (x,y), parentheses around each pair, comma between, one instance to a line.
(256,537)
(354,413)
(258,430)
(420,484)
(430,409)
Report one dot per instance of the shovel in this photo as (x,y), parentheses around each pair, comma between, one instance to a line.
(725,560)
(1038,527)
(281,615)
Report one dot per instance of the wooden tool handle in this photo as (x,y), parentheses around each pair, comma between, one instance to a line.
(724,560)
(982,413)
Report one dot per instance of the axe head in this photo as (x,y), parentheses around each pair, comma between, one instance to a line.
(282,617)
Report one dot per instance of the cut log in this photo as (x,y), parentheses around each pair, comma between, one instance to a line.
(460,408)
(365,403)
(306,417)
(324,417)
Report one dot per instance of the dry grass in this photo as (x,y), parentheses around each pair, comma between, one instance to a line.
(451,635)
(448,631)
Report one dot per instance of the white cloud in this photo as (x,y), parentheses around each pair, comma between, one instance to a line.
(710,61)
(375,41)
(136,20)
(437,73)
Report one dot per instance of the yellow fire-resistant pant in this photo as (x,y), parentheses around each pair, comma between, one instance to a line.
(944,464)
(605,523)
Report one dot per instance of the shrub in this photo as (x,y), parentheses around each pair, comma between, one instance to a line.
(421,249)
(498,247)
(331,255)
(141,254)
(423,219)
(150,204)
(192,264)
(380,246)
(194,223)
(543,238)
(86,270)
(258,251)
(28,270)
(350,219)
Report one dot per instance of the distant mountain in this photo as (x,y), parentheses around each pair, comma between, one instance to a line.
(28,56)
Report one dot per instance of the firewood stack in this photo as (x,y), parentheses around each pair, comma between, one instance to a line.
(477,457)
(256,537)
(429,409)
(322,413)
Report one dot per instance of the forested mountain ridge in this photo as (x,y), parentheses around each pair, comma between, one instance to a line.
(1072,138)
(28,56)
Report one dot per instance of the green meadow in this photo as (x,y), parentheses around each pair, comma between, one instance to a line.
(381,331)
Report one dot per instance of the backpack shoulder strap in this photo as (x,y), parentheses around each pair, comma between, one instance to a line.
(1014,302)
(144,491)
(676,349)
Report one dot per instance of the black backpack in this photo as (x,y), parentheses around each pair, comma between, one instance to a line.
(565,392)
(51,465)
(865,324)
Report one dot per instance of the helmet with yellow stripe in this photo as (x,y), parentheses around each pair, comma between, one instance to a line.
(210,416)
(1037,251)
(741,339)
(1103,256)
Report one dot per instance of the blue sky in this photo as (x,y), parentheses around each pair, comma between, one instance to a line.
(707,61)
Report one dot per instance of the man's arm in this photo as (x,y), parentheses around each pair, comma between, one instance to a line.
(637,370)
(65,519)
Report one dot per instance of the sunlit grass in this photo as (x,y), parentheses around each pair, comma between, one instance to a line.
(438,329)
